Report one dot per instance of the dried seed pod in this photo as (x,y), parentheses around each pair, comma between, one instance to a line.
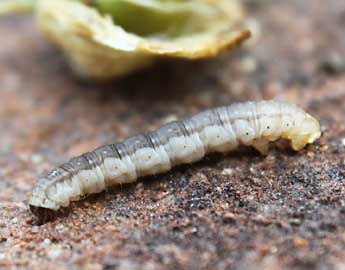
(188,140)
(12,6)
(106,38)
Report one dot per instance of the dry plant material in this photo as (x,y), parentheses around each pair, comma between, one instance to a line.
(103,39)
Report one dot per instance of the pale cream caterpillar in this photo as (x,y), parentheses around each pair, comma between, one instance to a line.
(185,141)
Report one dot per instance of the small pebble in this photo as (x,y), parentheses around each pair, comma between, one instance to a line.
(343,141)
(229,217)
(227,171)
(300,243)
(54,253)
(36,159)
(333,64)
(45,243)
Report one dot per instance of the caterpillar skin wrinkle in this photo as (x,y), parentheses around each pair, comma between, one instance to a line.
(185,141)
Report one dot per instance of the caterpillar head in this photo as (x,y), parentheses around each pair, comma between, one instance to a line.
(40,205)
(39,198)
(307,130)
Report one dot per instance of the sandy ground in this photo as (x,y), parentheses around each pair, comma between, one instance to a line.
(240,211)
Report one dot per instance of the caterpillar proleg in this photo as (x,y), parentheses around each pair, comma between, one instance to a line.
(185,141)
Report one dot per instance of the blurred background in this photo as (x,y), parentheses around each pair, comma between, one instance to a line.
(242,211)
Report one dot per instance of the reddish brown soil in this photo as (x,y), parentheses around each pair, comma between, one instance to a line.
(241,211)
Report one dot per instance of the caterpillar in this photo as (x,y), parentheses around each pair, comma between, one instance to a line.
(185,141)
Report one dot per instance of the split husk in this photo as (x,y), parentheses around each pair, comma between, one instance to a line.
(103,39)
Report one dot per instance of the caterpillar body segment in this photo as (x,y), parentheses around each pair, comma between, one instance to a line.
(185,141)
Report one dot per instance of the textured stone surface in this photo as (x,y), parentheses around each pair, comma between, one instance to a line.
(240,211)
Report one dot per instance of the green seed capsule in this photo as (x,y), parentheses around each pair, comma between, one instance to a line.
(103,39)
